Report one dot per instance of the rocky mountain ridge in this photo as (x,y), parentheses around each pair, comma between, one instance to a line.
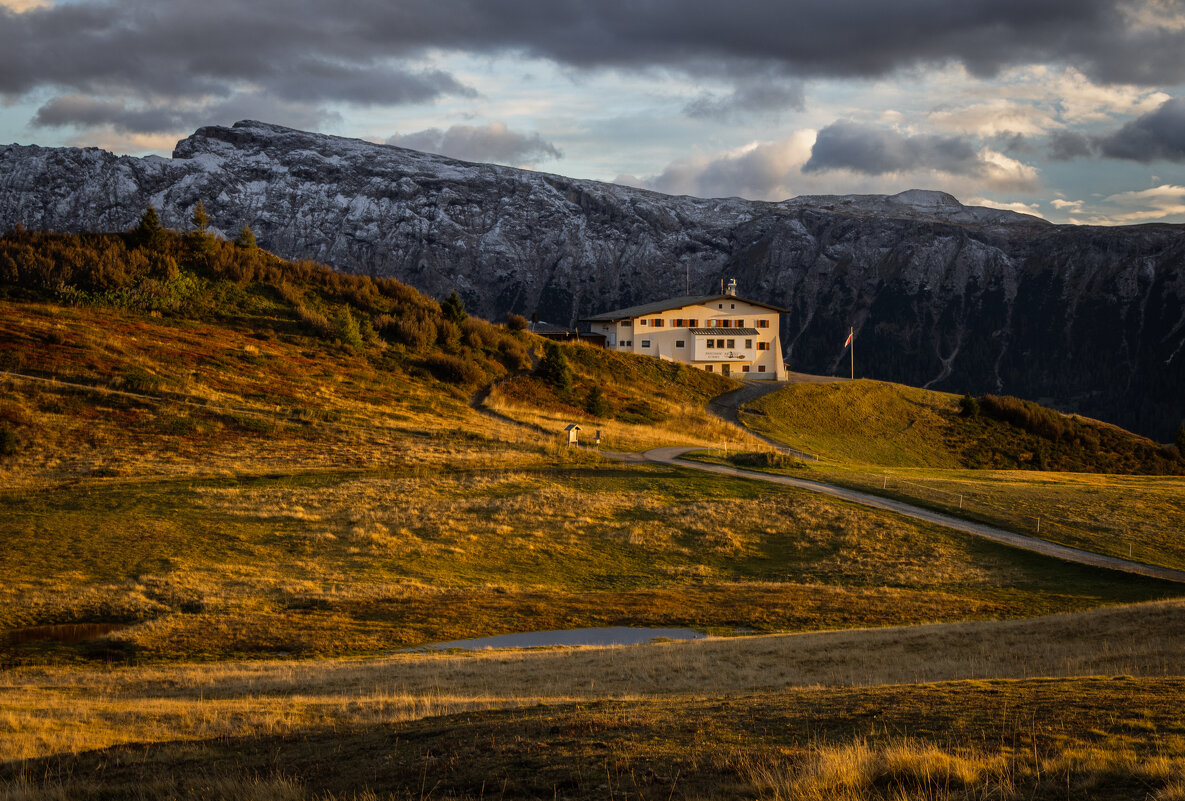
(941,295)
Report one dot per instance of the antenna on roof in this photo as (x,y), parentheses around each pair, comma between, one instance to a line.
(721,286)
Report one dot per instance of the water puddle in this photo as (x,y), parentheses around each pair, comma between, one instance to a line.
(569,638)
(61,632)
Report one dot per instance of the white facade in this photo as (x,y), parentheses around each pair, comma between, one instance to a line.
(718,333)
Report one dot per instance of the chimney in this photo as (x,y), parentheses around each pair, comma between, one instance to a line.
(732,287)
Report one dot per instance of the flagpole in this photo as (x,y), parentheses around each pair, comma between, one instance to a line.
(852,352)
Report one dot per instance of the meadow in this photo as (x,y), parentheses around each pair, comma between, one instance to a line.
(910,444)
(236,489)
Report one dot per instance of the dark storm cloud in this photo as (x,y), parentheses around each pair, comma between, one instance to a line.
(345,50)
(493,142)
(1156,136)
(875,151)
(89,112)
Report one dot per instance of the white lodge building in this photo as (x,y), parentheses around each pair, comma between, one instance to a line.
(717,333)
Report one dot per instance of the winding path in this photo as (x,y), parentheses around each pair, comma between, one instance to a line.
(670,456)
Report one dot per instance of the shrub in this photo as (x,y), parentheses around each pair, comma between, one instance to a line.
(346,328)
(454,369)
(968,406)
(1181,439)
(762,459)
(415,329)
(448,335)
(8,441)
(516,322)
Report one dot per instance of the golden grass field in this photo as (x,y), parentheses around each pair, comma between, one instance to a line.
(239,525)
(897,443)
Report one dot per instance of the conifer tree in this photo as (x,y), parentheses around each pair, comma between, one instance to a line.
(553,368)
(246,238)
(454,309)
(149,233)
(1181,439)
(199,218)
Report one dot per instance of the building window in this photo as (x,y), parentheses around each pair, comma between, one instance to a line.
(627,322)
(762,346)
(732,343)
(761,368)
(645,343)
(679,343)
(744,368)
(657,322)
(719,305)
(763,323)
(748,344)
(724,323)
(641,322)
(708,368)
(693,323)
(740,324)
(732,305)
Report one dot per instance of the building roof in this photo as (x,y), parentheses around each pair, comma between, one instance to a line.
(724,332)
(673,303)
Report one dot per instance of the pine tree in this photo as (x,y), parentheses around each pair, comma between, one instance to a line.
(553,368)
(1181,439)
(246,238)
(595,404)
(149,233)
(199,218)
(454,309)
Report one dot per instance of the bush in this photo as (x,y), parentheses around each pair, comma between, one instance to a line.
(8,441)
(414,329)
(968,406)
(516,322)
(448,335)
(346,329)
(454,369)
(762,459)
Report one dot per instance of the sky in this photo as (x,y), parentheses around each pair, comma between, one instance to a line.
(1073,110)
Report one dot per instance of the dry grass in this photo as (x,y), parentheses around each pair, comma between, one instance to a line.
(67,710)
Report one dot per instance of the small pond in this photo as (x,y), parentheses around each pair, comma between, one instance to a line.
(570,638)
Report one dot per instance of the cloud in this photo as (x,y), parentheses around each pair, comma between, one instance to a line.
(760,171)
(1165,203)
(1017,206)
(487,143)
(123,117)
(1156,136)
(360,51)
(1068,145)
(875,150)
(21,6)
(750,95)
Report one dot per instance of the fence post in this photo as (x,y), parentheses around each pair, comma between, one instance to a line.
(960,501)
(1038,525)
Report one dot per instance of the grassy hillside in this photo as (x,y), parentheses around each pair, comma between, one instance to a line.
(891,425)
(227,477)
(923,447)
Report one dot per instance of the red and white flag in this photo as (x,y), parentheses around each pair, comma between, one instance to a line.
(848,341)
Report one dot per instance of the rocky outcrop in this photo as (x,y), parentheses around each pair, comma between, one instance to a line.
(949,296)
